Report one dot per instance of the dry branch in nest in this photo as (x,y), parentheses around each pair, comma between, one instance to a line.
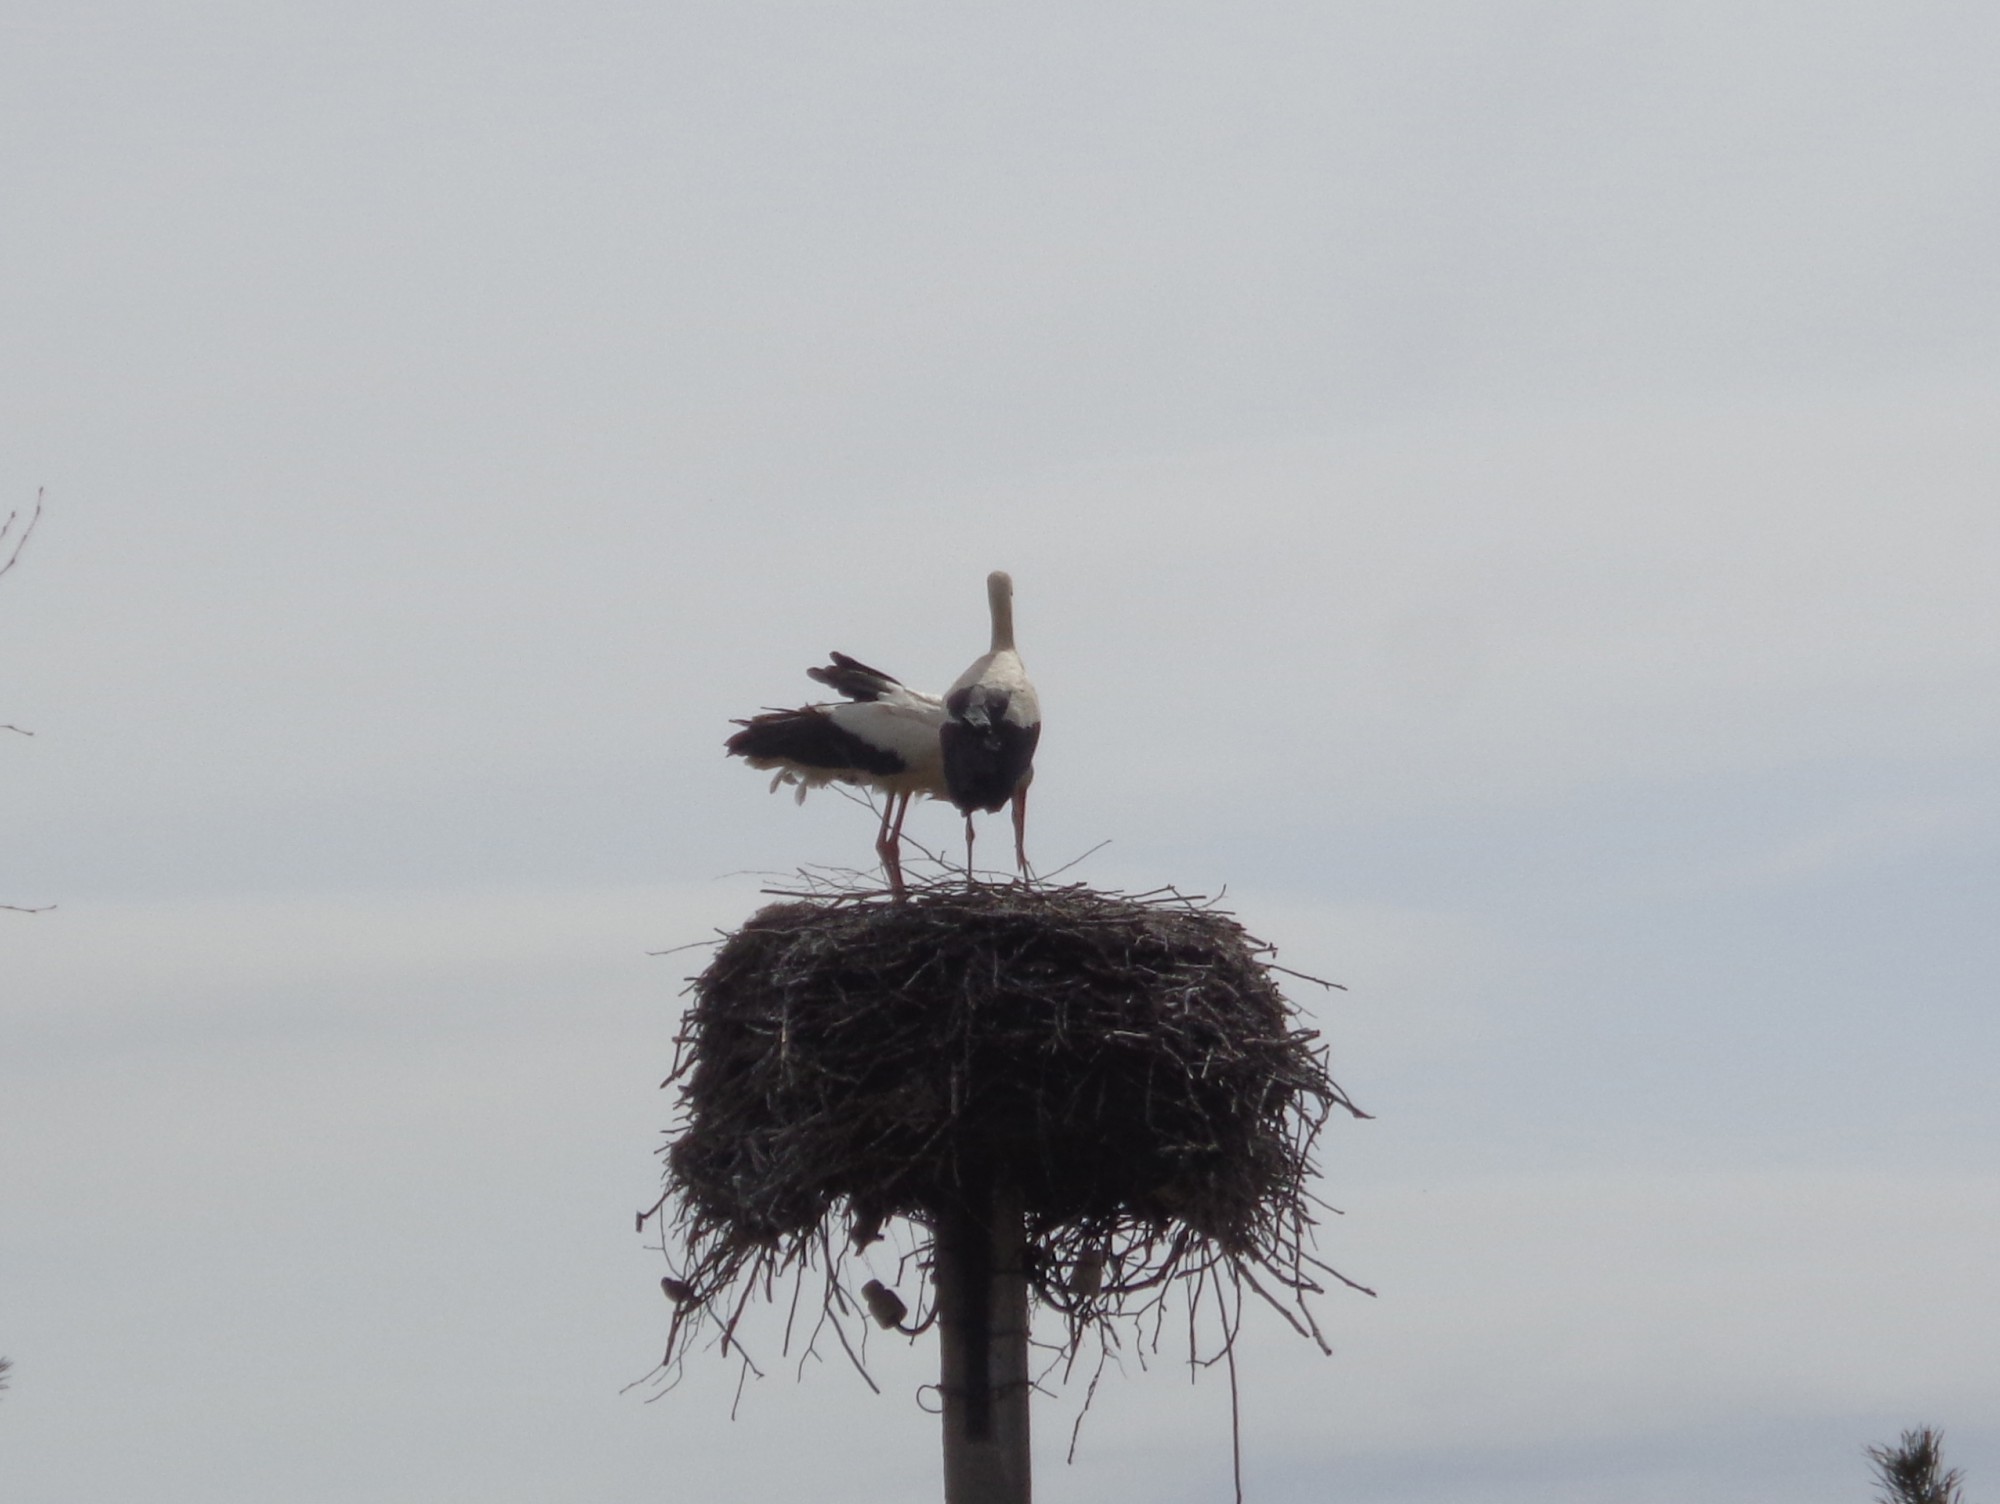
(1128,1062)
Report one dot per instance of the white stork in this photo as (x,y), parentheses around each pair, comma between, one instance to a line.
(883,736)
(993,721)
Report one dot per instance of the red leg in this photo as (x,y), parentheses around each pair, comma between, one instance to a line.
(885,844)
(968,848)
(896,846)
(1021,829)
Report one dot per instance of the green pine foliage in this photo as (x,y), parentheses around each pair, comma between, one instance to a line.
(1914,1472)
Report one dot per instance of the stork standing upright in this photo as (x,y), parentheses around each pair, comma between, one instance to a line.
(884,737)
(992,722)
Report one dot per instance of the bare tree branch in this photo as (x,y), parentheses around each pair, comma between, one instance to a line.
(13,557)
(21,538)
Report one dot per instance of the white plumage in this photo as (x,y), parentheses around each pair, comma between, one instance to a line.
(974,746)
(883,736)
(993,721)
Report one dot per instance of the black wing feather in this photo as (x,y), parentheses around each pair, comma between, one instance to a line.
(853,678)
(986,756)
(810,739)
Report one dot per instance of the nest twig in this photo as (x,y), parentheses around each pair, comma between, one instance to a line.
(1128,1061)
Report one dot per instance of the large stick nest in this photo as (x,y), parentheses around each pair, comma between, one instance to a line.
(1128,1062)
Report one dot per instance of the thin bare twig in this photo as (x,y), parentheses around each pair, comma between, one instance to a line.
(21,538)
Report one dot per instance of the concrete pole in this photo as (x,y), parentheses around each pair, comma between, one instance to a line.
(983,1333)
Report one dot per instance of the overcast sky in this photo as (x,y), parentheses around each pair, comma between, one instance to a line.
(1510,491)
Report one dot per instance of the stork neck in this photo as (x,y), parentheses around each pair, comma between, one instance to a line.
(1000,597)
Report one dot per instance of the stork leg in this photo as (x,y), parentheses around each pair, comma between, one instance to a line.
(888,840)
(894,857)
(968,846)
(1021,829)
